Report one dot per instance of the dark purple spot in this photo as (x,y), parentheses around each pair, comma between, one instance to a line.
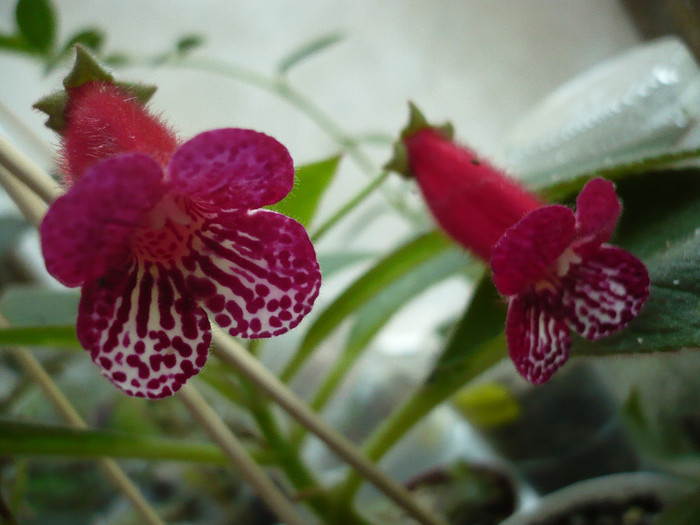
(183,348)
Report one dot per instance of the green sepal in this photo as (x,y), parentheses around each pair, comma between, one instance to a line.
(416,122)
(86,68)
(54,105)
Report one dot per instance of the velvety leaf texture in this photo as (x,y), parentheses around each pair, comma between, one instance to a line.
(671,318)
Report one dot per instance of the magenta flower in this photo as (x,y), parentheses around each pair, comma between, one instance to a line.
(559,275)
(161,237)
(552,264)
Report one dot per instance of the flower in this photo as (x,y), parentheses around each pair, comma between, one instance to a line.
(162,235)
(552,264)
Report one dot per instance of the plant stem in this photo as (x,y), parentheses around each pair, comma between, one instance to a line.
(238,455)
(25,170)
(349,206)
(34,210)
(281,88)
(237,356)
(427,397)
(33,369)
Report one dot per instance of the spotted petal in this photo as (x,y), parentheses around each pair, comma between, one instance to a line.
(605,292)
(597,211)
(538,340)
(142,330)
(232,168)
(255,272)
(527,249)
(88,229)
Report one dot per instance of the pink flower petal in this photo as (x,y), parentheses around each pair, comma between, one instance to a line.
(605,292)
(88,229)
(255,272)
(232,168)
(538,341)
(142,331)
(529,248)
(597,211)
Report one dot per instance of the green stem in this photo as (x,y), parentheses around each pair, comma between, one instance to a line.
(281,88)
(422,402)
(349,206)
(288,458)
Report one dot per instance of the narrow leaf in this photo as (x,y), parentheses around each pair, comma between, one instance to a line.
(388,270)
(336,261)
(311,181)
(13,43)
(55,336)
(481,325)
(307,50)
(18,438)
(36,21)
(188,43)
(32,306)
(685,511)
(373,316)
(378,311)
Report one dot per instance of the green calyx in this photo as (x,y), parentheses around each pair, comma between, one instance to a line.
(86,68)
(416,123)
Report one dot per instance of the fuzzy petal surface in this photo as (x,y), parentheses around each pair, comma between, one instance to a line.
(538,340)
(143,331)
(255,272)
(232,169)
(597,211)
(605,292)
(87,230)
(527,249)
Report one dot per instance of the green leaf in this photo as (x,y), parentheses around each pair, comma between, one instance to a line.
(374,315)
(336,261)
(55,336)
(308,50)
(92,38)
(188,43)
(380,309)
(686,511)
(481,325)
(310,182)
(36,21)
(13,43)
(670,319)
(18,438)
(661,224)
(393,267)
(33,306)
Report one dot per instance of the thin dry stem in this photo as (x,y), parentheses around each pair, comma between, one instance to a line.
(24,169)
(234,354)
(34,209)
(36,371)
(237,453)
(229,351)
